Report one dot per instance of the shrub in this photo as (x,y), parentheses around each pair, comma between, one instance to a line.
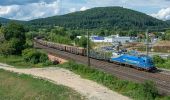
(47,63)
(157,59)
(148,91)
(165,65)
(43,57)
(34,56)
(6,49)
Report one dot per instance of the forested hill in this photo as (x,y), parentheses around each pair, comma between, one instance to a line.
(168,21)
(102,17)
(3,20)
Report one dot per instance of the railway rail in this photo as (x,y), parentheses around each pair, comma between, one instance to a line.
(161,80)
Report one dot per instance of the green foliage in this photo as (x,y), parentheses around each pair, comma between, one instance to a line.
(59,31)
(158,59)
(59,39)
(34,56)
(166,36)
(31,34)
(160,62)
(166,98)
(165,65)
(47,63)
(115,18)
(82,42)
(15,86)
(14,30)
(6,49)
(11,47)
(148,91)
(145,91)
(3,20)
(59,35)
(19,62)
(14,35)
(102,33)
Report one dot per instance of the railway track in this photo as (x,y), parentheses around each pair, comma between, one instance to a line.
(162,81)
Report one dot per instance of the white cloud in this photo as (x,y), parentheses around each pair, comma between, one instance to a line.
(83,8)
(4,10)
(30,11)
(163,14)
(72,9)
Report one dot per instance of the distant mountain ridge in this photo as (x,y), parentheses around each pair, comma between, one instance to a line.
(4,20)
(168,21)
(102,17)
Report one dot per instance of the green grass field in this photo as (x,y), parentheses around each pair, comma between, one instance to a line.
(23,87)
(18,61)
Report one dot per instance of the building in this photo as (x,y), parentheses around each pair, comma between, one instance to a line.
(113,39)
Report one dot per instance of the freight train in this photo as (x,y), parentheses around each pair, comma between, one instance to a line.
(141,62)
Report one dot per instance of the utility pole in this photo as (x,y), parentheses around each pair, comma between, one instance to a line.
(88,49)
(147,42)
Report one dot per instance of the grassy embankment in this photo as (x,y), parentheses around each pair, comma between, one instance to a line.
(18,61)
(145,91)
(23,87)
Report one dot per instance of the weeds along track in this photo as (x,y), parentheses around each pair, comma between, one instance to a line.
(162,80)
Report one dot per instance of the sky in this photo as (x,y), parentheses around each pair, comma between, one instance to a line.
(33,9)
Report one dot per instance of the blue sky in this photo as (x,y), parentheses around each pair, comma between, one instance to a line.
(33,9)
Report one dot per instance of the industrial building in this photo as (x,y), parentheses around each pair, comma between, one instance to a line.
(112,39)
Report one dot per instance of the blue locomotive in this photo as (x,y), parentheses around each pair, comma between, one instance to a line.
(138,61)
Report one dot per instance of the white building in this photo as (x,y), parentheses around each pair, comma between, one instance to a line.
(112,39)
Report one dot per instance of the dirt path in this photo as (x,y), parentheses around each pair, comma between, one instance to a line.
(90,89)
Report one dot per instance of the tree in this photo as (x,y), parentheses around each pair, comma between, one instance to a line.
(14,30)
(167,35)
(82,42)
(6,49)
(102,33)
(14,35)
(59,31)
(132,33)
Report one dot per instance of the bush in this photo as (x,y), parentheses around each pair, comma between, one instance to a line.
(148,91)
(160,62)
(47,63)
(164,65)
(34,56)
(6,49)
(157,59)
